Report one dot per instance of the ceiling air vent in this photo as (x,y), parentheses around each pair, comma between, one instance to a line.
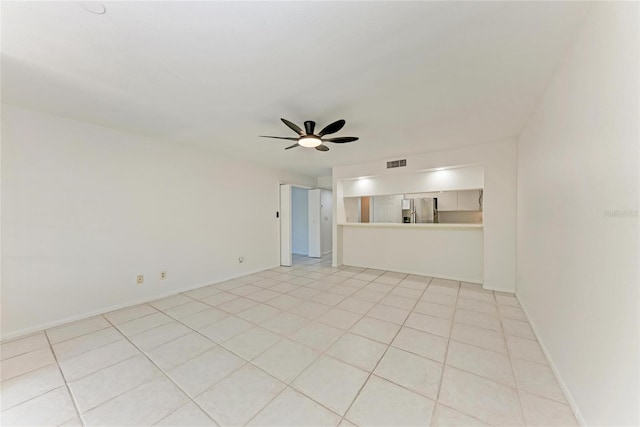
(397,164)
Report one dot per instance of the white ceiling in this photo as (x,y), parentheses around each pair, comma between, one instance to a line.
(407,77)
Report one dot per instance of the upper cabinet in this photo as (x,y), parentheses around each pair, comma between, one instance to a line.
(468,200)
(448,201)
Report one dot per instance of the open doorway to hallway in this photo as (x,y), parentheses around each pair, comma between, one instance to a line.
(306,223)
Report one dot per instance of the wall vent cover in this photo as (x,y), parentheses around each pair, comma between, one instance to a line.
(397,164)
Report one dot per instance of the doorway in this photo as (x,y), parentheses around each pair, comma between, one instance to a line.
(306,223)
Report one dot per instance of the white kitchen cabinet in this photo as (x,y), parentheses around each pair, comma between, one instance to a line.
(469,200)
(448,201)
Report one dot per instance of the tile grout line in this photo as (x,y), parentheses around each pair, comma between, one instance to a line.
(152,379)
(382,357)
(66,384)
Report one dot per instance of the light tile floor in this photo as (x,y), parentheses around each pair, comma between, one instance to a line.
(305,345)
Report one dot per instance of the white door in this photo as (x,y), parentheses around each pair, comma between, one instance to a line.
(285,225)
(315,248)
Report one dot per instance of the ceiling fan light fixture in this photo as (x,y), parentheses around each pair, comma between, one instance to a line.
(309,141)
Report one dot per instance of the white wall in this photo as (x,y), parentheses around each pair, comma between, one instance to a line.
(425,251)
(86,208)
(498,160)
(300,221)
(578,163)
(326,220)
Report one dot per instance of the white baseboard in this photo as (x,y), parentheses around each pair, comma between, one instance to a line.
(563,386)
(38,328)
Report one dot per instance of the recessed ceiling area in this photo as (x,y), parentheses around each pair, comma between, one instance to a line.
(407,77)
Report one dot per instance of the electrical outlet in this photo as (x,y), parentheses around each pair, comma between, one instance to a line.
(240,260)
(163,275)
(140,279)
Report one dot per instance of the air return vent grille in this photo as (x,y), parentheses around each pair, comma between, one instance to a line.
(397,164)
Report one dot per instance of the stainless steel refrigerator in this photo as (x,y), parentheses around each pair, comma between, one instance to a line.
(420,210)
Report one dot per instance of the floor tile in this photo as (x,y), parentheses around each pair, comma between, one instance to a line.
(317,335)
(376,329)
(356,305)
(309,309)
(52,408)
(481,306)
(437,298)
(187,309)
(259,313)
(407,293)
(285,323)
(283,287)
(76,329)
(421,343)
(431,324)
(381,403)
(219,298)
(522,348)
(190,415)
(434,309)
(511,312)
(252,342)
(170,302)
(225,329)
(203,292)
(240,396)
(237,305)
(155,337)
(357,351)
(200,373)
(97,359)
(486,400)
(369,295)
(485,338)
(142,324)
(485,363)
(144,405)
(24,363)
(476,318)
(507,300)
(537,379)
(447,417)
(539,411)
(129,313)
(245,290)
(285,302)
(263,295)
(344,290)
(328,298)
(95,389)
(411,371)
(75,346)
(518,328)
(331,383)
(486,296)
(286,360)
(293,409)
(204,318)
(453,284)
(20,389)
(339,318)
(178,351)
(399,302)
(23,345)
(389,314)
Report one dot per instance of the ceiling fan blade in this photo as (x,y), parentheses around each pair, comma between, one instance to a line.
(294,127)
(332,128)
(342,140)
(279,137)
(322,148)
(293,146)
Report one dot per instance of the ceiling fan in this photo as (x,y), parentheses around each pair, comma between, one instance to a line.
(306,137)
